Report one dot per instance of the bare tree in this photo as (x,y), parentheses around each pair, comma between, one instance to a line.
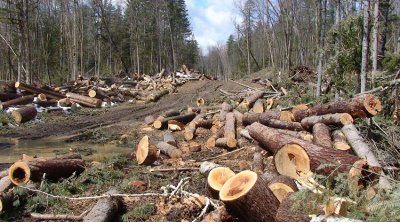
(365,46)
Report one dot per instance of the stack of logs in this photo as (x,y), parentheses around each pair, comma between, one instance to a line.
(90,92)
(302,141)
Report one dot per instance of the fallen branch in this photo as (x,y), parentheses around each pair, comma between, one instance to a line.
(58,216)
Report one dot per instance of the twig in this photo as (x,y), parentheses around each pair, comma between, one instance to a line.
(175,169)
(245,85)
(58,216)
(177,187)
(203,212)
(380,128)
(224,154)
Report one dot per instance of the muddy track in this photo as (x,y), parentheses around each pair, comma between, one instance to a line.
(186,94)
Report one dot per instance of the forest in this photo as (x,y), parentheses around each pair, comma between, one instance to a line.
(114,110)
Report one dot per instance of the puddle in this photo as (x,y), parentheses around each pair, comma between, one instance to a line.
(11,150)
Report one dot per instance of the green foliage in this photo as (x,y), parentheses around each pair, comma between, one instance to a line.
(140,213)
(5,118)
(391,62)
(96,136)
(347,60)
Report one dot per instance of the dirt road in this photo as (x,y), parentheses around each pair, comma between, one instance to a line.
(127,114)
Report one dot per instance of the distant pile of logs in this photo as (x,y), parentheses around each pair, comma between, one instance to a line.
(301,139)
(92,92)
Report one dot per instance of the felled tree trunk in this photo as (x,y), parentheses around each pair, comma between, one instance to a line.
(211,142)
(322,135)
(18,101)
(157,95)
(286,214)
(169,138)
(163,123)
(228,143)
(218,215)
(294,156)
(359,107)
(339,140)
(169,150)
(66,102)
(217,178)
(98,93)
(258,163)
(304,135)
(105,210)
(46,103)
(248,102)
(225,109)
(198,121)
(249,118)
(230,126)
(55,168)
(85,100)
(362,150)
(258,106)
(23,115)
(327,119)
(247,196)
(8,96)
(35,90)
(146,153)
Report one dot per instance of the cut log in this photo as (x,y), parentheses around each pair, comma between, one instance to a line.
(304,135)
(42,97)
(174,125)
(225,109)
(339,140)
(157,95)
(149,120)
(23,115)
(170,112)
(46,103)
(286,213)
(169,138)
(218,215)
(339,119)
(98,93)
(280,185)
(211,142)
(228,143)
(230,126)
(35,90)
(248,102)
(247,196)
(258,106)
(299,107)
(322,135)
(8,96)
(362,150)
(5,184)
(169,150)
(59,167)
(206,167)
(105,210)
(163,123)
(200,101)
(238,117)
(295,157)
(359,107)
(66,102)
(146,154)
(270,103)
(281,124)
(85,100)
(18,101)
(249,118)
(217,178)
(258,163)
(198,121)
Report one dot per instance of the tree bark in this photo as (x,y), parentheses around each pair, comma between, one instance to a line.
(169,138)
(169,150)
(322,135)
(23,115)
(105,210)
(241,196)
(249,118)
(85,100)
(35,90)
(18,101)
(8,96)
(163,123)
(365,48)
(339,140)
(359,107)
(327,119)
(217,178)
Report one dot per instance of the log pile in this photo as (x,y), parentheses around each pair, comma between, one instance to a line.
(94,92)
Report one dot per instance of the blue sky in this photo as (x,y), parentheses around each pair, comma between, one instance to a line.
(211,20)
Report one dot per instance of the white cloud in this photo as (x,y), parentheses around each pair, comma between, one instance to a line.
(212,21)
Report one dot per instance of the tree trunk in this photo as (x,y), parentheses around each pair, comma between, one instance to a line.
(327,119)
(105,210)
(35,90)
(339,140)
(258,106)
(169,150)
(249,118)
(163,123)
(146,153)
(294,156)
(169,138)
(286,214)
(23,115)
(359,107)
(59,167)
(85,100)
(322,135)
(258,163)
(365,47)
(217,178)
(375,36)
(242,194)
(248,102)
(8,96)
(228,143)
(18,101)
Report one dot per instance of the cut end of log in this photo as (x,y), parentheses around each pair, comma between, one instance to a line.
(17,84)
(146,154)
(372,104)
(238,186)
(270,103)
(346,118)
(17,116)
(341,145)
(211,142)
(292,161)
(218,176)
(42,97)
(189,135)
(92,93)
(157,124)
(280,190)
(200,101)
(19,173)
(287,116)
